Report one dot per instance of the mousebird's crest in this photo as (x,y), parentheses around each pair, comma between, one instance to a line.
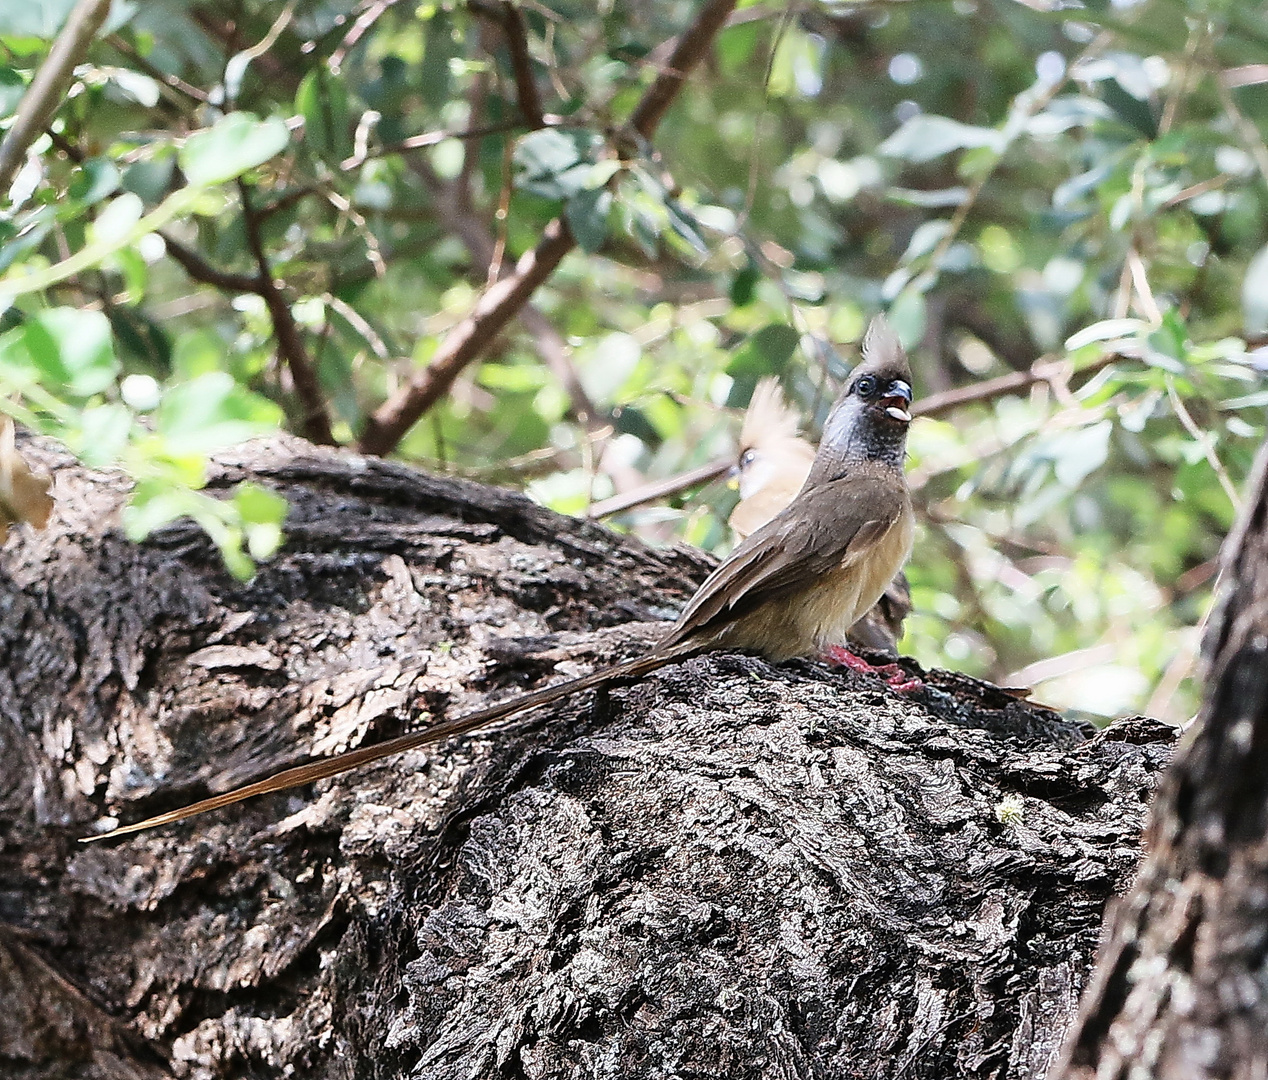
(768,418)
(883,354)
(869,419)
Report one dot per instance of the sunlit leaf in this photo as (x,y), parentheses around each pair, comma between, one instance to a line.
(234,144)
(927,136)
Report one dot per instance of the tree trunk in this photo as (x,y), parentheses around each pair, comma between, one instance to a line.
(1181,986)
(730,869)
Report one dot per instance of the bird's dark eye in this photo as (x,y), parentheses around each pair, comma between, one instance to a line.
(747,458)
(865,387)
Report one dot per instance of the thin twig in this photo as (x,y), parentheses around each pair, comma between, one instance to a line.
(360,324)
(369,14)
(1245,128)
(1204,440)
(1245,75)
(661,489)
(431,138)
(1144,293)
(1194,190)
(1041,371)
(314,424)
(48,89)
(759,121)
(499,304)
(453,201)
(502,217)
(373,251)
(274,32)
(687,53)
(285,201)
(172,82)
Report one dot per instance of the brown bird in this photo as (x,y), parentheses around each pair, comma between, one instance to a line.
(793,588)
(773,464)
(774,460)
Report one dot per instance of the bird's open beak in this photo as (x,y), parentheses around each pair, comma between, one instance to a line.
(896,403)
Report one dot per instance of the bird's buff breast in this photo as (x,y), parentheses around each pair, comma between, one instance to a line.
(805,622)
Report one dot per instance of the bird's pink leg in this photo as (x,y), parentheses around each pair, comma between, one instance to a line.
(891,674)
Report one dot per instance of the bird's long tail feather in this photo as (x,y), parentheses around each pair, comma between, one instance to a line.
(333,766)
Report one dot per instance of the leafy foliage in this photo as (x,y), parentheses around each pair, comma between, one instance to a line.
(249,215)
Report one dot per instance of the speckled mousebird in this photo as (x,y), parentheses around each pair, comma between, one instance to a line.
(772,465)
(793,588)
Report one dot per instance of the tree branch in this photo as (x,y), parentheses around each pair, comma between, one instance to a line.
(314,424)
(515,31)
(689,51)
(202,271)
(1041,371)
(459,216)
(499,304)
(48,88)
(661,489)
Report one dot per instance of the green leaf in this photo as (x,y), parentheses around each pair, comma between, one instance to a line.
(72,351)
(1077,454)
(211,411)
(34,18)
(556,163)
(323,102)
(117,219)
(102,434)
(908,315)
(1105,330)
(766,352)
(235,143)
(588,214)
(744,285)
(12,87)
(924,137)
(1255,294)
(93,181)
(262,513)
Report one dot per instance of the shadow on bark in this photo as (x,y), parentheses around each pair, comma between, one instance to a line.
(728,869)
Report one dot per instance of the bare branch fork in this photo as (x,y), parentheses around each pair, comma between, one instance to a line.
(315,423)
(499,304)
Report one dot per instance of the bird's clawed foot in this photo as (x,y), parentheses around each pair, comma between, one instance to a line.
(891,674)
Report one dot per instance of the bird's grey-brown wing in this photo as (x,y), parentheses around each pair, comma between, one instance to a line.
(835,522)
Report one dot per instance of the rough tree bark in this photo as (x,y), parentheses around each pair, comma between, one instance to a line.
(1181,986)
(729,869)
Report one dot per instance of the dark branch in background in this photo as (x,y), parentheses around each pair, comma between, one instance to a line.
(690,50)
(454,206)
(499,304)
(70,149)
(48,89)
(202,271)
(314,423)
(661,489)
(516,33)
(1042,371)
